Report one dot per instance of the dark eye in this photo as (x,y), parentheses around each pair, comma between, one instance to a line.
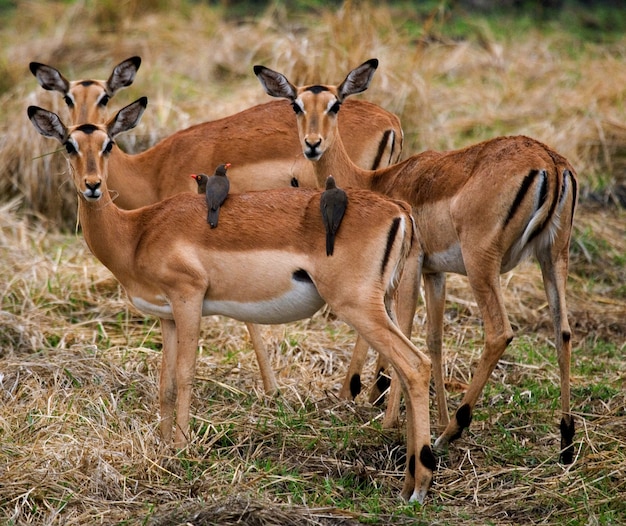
(69,147)
(335,108)
(296,108)
(104,100)
(108,147)
(68,101)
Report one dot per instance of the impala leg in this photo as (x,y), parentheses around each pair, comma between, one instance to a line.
(407,297)
(187,317)
(498,334)
(413,370)
(267,373)
(352,382)
(435,294)
(167,382)
(554,280)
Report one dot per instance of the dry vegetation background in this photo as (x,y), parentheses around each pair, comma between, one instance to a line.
(79,368)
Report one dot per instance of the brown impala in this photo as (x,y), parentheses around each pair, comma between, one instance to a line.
(479,211)
(173,266)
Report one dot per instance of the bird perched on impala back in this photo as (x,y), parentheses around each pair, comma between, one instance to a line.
(215,189)
(333,203)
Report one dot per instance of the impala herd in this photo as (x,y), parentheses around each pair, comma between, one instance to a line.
(477,211)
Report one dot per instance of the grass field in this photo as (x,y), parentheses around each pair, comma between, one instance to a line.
(79,367)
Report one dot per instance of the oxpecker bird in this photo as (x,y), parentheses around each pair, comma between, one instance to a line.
(215,189)
(333,203)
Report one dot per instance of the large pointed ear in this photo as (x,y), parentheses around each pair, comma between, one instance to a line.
(127,118)
(49,78)
(47,123)
(123,75)
(275,84)
(358,79)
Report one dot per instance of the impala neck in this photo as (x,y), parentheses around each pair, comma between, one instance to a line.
(336,162)
(107,233)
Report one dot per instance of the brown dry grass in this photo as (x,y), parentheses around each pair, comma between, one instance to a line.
(79,367)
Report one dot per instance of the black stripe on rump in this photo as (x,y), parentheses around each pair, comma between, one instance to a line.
(391,236)
(381,147)
(568,175)
(521,194)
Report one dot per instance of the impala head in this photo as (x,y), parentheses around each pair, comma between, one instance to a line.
(87,99)
(88,145)
(316,105)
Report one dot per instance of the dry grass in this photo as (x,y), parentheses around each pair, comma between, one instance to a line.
(79,367)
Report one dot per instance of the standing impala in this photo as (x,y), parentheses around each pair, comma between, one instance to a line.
(259,142)
(176,268)
(479,211)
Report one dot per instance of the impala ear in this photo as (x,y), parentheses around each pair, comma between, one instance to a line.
(127,118)
(358,79)
(123,75)
(49,78)
(275,84)
(47,123)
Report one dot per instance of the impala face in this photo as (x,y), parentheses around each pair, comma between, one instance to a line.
(315,133)
(89,159)
(87,99)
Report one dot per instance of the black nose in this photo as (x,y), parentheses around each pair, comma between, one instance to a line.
(313,146)
(92,187)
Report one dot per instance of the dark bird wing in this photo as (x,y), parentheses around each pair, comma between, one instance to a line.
(333,203)
(217,188)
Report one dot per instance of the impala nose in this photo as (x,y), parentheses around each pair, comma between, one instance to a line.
(92,190)
(312,148)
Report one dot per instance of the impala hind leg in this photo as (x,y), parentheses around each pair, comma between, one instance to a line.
(265,368)
(435,296)
(554,272)
(407,296)
(412,368)
(352,382)
(485,283)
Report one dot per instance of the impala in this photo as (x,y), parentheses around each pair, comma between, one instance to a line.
(479,211)
(259,142)
(173,266)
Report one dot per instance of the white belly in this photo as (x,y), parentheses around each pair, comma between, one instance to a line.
(300,301)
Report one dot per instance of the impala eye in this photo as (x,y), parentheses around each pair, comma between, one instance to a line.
(296,108)
(68,100)
(335,108)
(104,100)
(70,148)
(108,147)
